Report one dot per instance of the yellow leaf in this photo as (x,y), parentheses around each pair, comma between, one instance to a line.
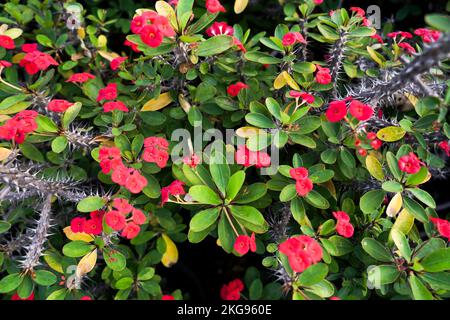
(290,81)
(247,132)
(52,262)
(87,263)
(166,10)
(394,205)
(162,101)
(378,58)
(391,134)
(185,105)
(4,153)
(13,33)
(240,5)
(413,99)
(77,236)
(218,242)
(16,58)
(279,82)
(81,33)
(101,41)
(108,55)
(374,167)
(404,222)
(170,257)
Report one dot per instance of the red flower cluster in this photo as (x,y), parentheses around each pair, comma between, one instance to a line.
(80,77)
(234,89)
(302,251)
(156,151)
(402,34)
(118,221)
(59,105)
(18,126)
(445,146)
(5,64)
(176,188)
(337,110)
(115,105)
(219,28)
(409,163)
(323,75)
(192,161)
(232,290)
(107,93)
(374,143)
(343,225)
(116,62)
(245,243)
(167,297)
(35,61)
(132,45)
(292,38)
(6,42)
(302,95)
(378,38)
(152,28)
(131,179)
(407,47)
(15,296)
(214,6)
(247,158)
(93,226)
(427,35)
(303,184)
(443,227)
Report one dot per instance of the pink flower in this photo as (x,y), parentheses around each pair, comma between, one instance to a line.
(80,77)
(443,227)
(289,39)
(108,93)
(218,28)
(151,35)
(131,230)
(378,38)
(122,205)
(115,105)
(138,216)
(176,188)
(36,61)
(156,151)
(115,220)
(18,126)
(192,161)
(360,111)
(337,110)
(323,75)
(214,6)
(341,216)
(344,229)
(135,181)
(409,163)
(403,34)
(445,146)
(93,226)
(358,11)
(407,47)
(120,174)
(302,251)
(116,62)
(234,89)
(303,187)
(5,64)
(299,173)
(427,35)
(318,2)
(132,45)
(59,105)
(376,144)
(29,47)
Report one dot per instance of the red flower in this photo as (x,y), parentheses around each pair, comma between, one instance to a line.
(167,297)
(376,144)
(138,216)
(427,35)
(214,6)
(97,215)
(362,152)
(115,220)
(407,47)
(303,187)
(77,224)
(135,181)
(176,188)
(115,105)
(120,174)
(403,34)
(337,110)
(443,227)
(85,298)
(18,126)
(159,142)
(323,75)
(93,226)
(445,146)
(345,229)
(192,161)
(299,261)
(378,38)
(80,77)
(239,44)
(371,135)
(262,159)
(6,42)
(108,93)
(116,62)
(341,216)
(59,105)
(318,2)
(242,244)
(359,12)
(155,150)
(29,47)
(16,297)
(409,163)
(35,61)
(335,298)
(289,39)
(151,35)
(232,290)
(122,205)
(234,89)
(360,111)
(5,64)
(218,28)
(248,158)
(299,173)
(132,45)
(131,230)
(253,242)
(109,157)
(302,251)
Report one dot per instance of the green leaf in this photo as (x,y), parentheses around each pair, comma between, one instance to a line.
(376,250)
(392,186)
(124,283)
(419,290)
(438,280)
(90,204)
(214,45)
(393,165)
(146,274)
(251,193)
(59,144)
(220,172)
(371,201)
(304,67)
(204,219)
(259,120)
(402,244)
(256,289)
(250,218)
(417,178)
(437,261)
(415,209)
(12,100)
(288,193)
(374,167)
(382,274)
(4,226)
(235,184)
(315,199)
(342,246)
(299,212)
(70,114)
(115,259)
(31,152)
(261,57)
(313,274)
(321,176)
(362,32)
(10,282)
(45,278)
(423,196)
(44,40)
(75,249)
(57,295)
(204,194)
(438,21)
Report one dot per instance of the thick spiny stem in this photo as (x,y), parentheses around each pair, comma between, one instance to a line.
(337,54)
